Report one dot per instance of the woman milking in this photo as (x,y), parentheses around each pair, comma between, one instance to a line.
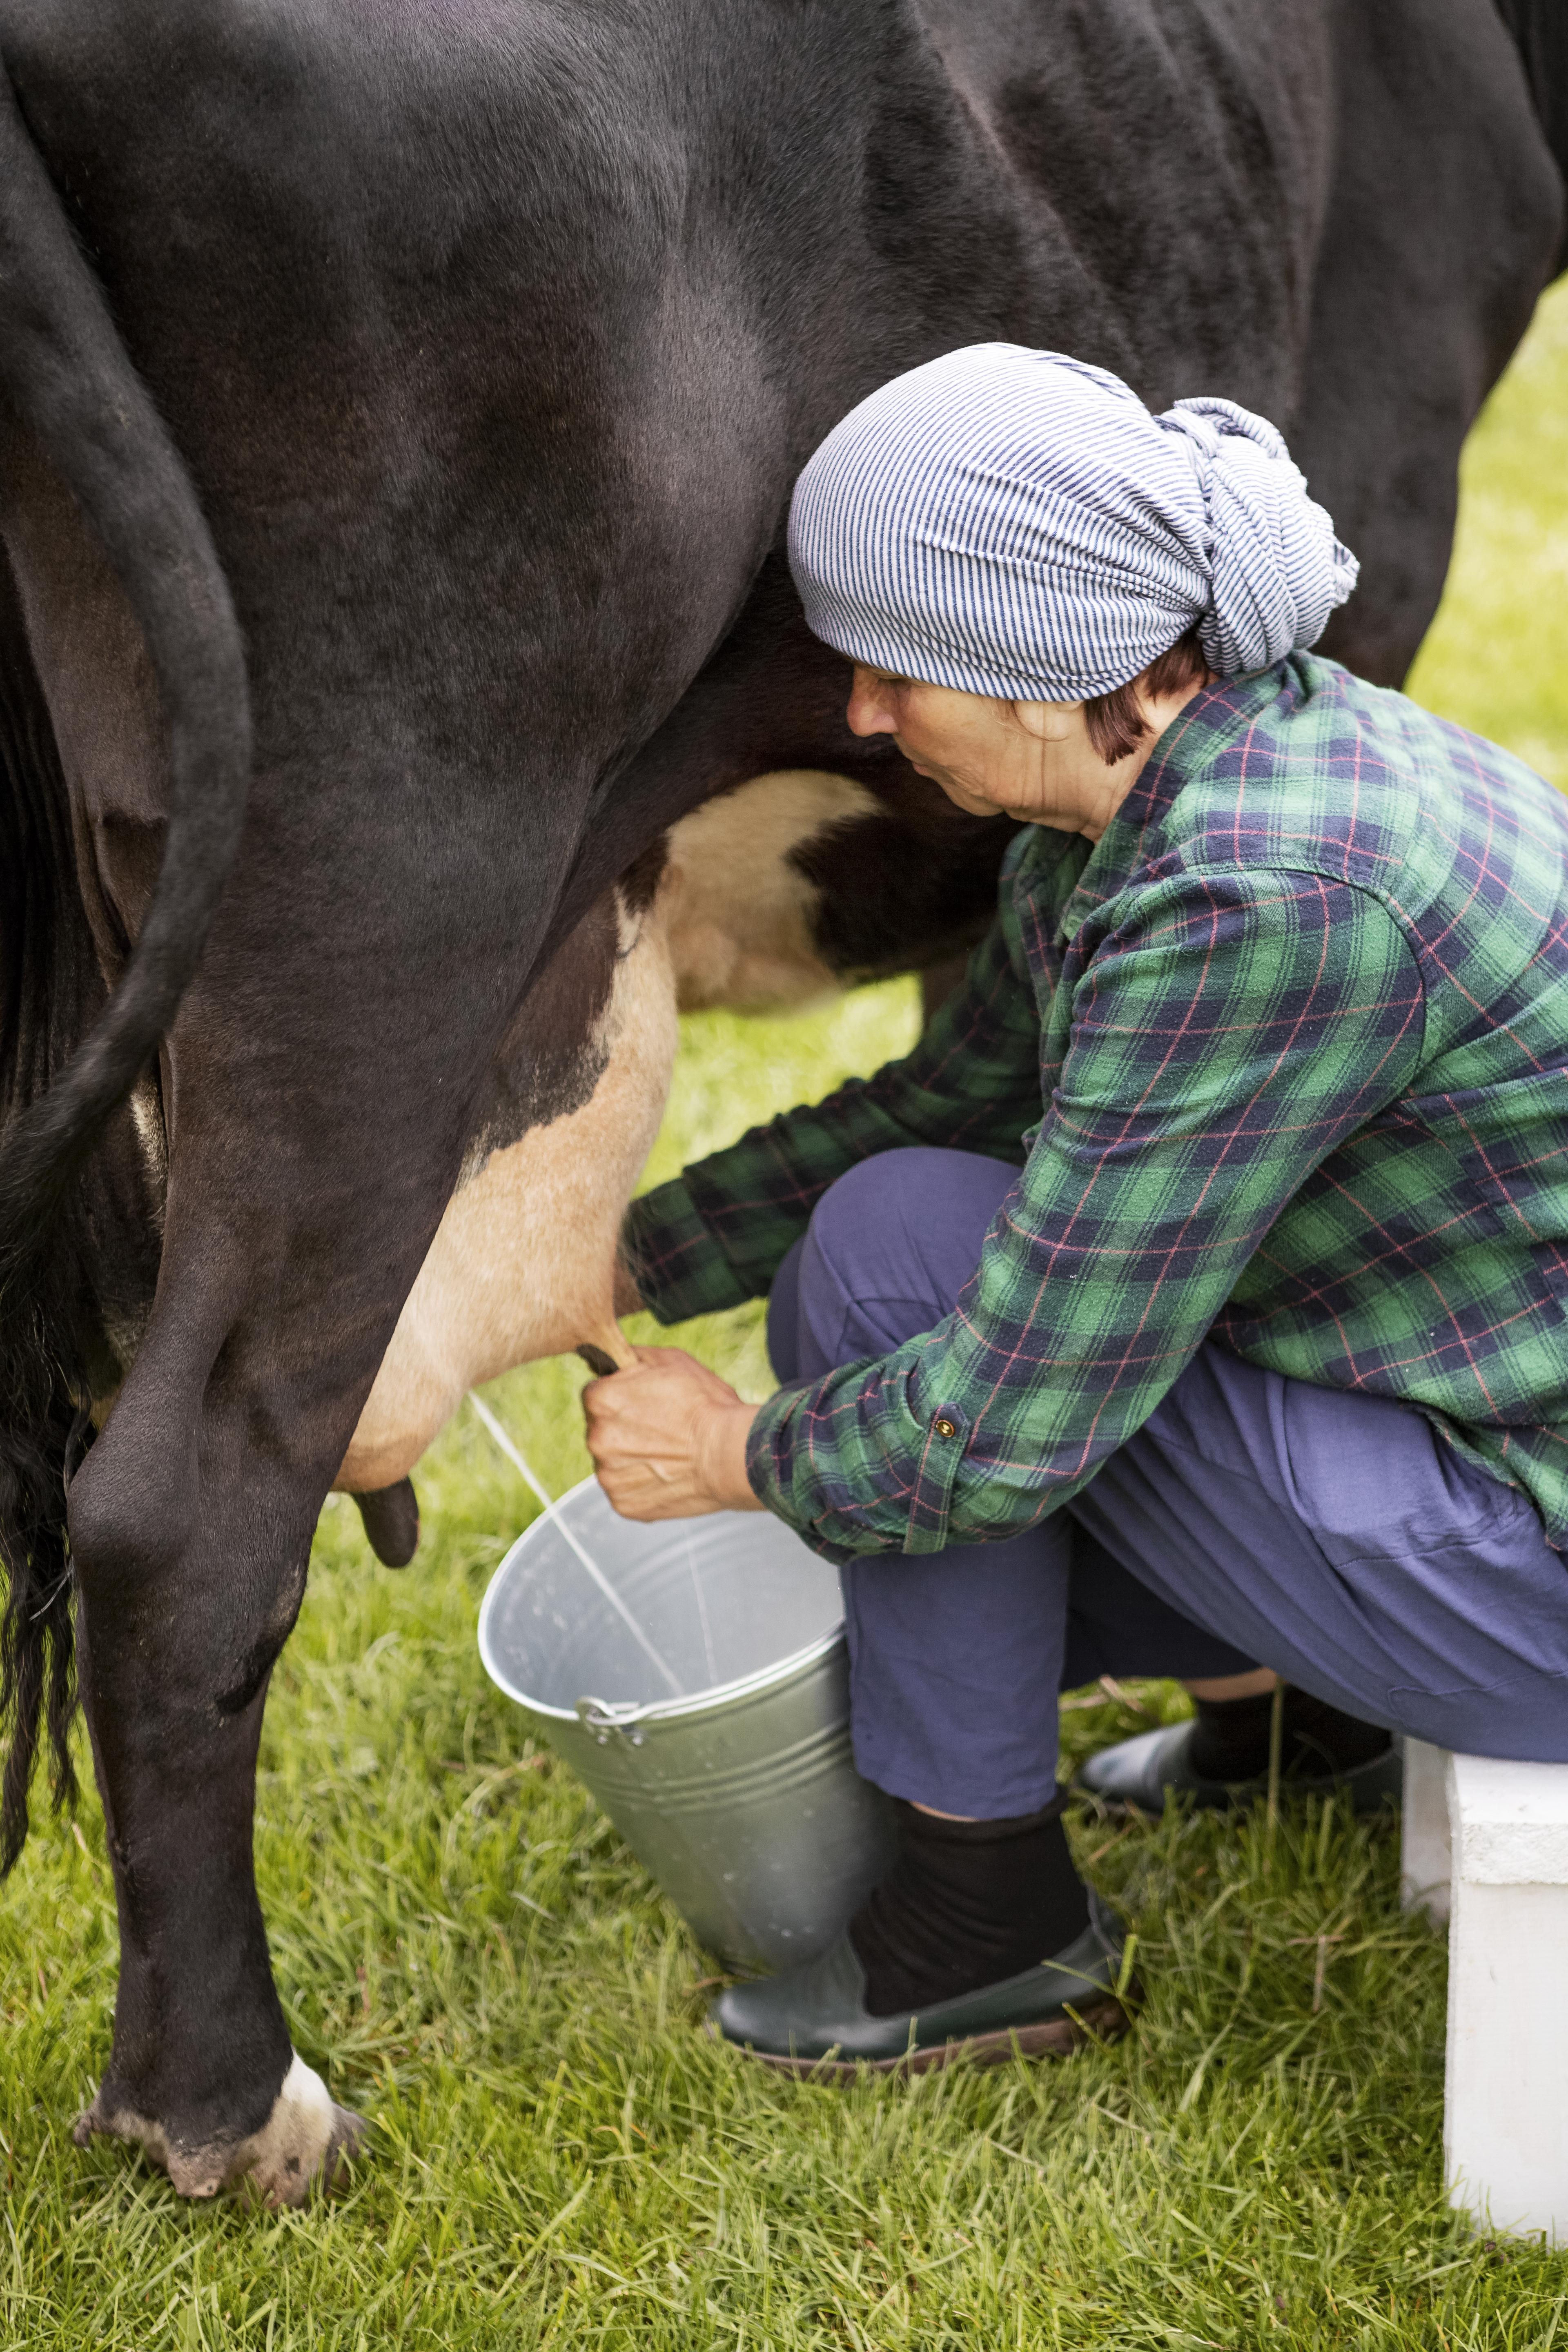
(1190,1301)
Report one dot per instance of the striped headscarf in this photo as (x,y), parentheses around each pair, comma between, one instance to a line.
(1016,523)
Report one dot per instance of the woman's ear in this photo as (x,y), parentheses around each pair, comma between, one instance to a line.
(1049,722)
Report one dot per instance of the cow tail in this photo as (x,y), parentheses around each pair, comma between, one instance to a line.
(1539,30)
(71,383)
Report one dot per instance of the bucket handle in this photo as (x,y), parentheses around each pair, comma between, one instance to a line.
(607,1719)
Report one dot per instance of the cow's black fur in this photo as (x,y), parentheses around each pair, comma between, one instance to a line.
(489,343)
(1540,29)
(62,1079)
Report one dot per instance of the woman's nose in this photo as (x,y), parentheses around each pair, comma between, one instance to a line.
(869,712)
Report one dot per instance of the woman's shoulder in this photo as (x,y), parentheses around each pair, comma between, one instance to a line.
(1308,766)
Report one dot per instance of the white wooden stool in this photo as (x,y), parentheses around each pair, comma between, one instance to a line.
(1486,1847)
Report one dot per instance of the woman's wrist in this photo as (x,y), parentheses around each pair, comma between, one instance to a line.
(722,1456)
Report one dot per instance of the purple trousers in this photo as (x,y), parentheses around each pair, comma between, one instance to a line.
(1253,1520)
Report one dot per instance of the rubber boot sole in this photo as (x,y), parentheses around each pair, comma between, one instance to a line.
(1057,2037)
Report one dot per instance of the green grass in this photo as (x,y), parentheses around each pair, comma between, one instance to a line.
(559,2157)
(1496,658)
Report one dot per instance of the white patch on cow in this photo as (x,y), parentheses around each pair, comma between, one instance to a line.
(298,2148)
(740,912)
(523,1264)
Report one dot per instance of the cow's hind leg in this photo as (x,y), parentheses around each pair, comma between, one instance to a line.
(190,1575)
(190,1523)
(286,1257)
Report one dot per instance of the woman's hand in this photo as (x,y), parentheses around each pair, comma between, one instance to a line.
(669,1438)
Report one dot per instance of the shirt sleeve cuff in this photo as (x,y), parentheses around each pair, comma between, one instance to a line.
(678,1266)
(766,1441)
(892,1495)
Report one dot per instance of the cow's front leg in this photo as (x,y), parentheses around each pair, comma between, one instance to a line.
(191,1544)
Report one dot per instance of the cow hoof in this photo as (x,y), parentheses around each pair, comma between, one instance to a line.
(306,2143)
(391,1517)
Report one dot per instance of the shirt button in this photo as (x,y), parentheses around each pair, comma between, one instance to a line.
(943,1427)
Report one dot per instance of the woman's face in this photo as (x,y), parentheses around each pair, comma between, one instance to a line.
(1029,760)
(1032,760)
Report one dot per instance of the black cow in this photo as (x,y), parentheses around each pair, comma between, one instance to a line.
(398,409)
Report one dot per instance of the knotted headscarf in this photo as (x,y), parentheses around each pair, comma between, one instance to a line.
(1016,523)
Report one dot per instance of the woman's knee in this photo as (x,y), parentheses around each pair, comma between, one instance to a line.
(890,1244)
(783,1316)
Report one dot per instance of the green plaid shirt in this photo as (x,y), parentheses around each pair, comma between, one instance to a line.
(1283,1059)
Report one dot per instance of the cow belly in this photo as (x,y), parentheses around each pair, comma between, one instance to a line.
(522,1262)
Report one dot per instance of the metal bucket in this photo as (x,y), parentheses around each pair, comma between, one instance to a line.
(735,1790)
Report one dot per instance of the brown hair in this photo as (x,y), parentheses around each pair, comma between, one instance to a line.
(1116,725)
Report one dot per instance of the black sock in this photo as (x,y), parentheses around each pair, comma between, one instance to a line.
(1231,1742)
(966,1903)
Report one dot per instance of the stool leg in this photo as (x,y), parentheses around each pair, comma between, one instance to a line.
(1505,2138)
